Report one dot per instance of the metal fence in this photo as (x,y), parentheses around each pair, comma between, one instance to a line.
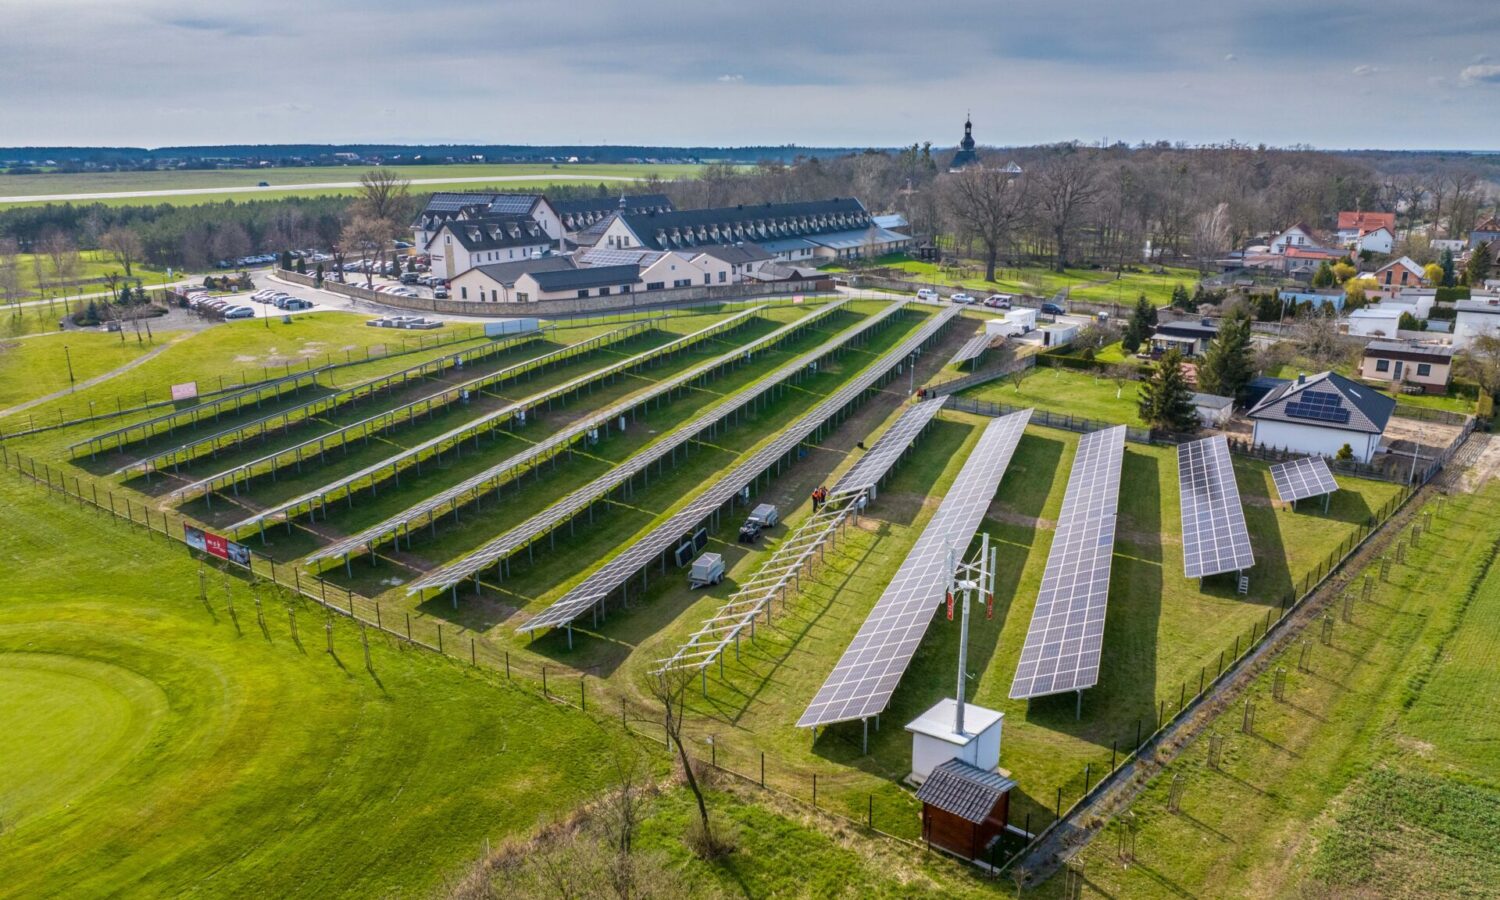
(1043,417)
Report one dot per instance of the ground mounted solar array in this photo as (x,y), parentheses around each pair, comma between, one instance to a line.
(783,568)
(618,570)
(370,475)
(1066,636)
(563,511)
(866,676)
(975,346)
(1214,536)
(883,454)
(1299,479)
(497,474)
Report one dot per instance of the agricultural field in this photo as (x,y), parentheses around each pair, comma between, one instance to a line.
(1164,632)
(204,186)
(1375,776)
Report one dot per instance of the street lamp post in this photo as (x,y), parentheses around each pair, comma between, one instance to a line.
(69,357)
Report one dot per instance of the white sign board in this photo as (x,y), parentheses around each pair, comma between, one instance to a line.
(185,391)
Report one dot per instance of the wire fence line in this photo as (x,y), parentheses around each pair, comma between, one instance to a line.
(840,797)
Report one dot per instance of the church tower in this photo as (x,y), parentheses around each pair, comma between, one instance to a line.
(965,155)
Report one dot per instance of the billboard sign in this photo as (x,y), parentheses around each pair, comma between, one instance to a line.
(216,545)
(185,391)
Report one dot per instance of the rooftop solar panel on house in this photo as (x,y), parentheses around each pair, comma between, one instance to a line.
(1320,406)
(1299,479)
(1214,536)
(1066,637)
(866,676)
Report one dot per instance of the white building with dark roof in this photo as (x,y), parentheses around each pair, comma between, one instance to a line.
(840,228)
(1317,415)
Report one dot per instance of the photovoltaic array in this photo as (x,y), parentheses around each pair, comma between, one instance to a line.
(1321,406)
(885,451)
(620,568)
(975,346)
(1299,479)
(866,676)
(1214,536)
(1066,636)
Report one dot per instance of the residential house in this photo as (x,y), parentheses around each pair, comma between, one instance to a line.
(1353,225)
(1403,272)
(1485,232)
(496,282)
(459,244)
(1190,337)
(1307,260)
(1377,240)
(1319,415)
(1298,235)
(1423,298)
(1424,368)
(1378,320)
(1456,246)
(577,283)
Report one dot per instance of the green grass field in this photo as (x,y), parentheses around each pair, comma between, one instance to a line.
(89,276)
(1066,392)
(1096,285)
(284,181)
(154,747)
(1376,776)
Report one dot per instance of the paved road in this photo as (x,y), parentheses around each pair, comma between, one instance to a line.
(252,189)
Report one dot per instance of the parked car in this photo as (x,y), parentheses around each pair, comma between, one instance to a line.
(293,304)
(239,312)
(961,298)
(440,293)
(410,278)
(998,301)
(1052,309)
(927,294)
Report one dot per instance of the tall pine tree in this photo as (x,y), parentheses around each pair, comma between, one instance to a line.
(1142,319)
(1480,261)
(1166,400)
(1229,364)
(1449,276)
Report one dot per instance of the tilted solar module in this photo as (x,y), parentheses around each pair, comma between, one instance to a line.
(1214,536)
(1299,479)
(866,676)
(888,448)
(614,573)
(975,346)
(1066,637)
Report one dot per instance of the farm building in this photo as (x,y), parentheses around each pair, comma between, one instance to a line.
(964,808)
(1424,367)
(1319,414)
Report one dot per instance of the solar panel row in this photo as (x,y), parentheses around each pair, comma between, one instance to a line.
(563,438)
(485,422)
(1299,479)
(1214,536)
(614,573)
(975,346)
(888,448)
(866,676)
(1066,637)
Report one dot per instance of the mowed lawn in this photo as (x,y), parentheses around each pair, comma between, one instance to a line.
(35,366)
(1066,392)
(89,275)
(1095,285)
(153,747)
(1375,776)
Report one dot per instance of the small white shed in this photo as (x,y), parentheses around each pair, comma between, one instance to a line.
(1213,410)
(1059,334)
(934,740)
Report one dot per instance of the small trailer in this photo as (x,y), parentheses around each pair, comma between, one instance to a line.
(708,569)
(765,515)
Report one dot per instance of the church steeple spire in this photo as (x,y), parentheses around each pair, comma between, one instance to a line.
(965,155)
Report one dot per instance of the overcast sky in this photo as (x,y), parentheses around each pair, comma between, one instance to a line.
(1376,73)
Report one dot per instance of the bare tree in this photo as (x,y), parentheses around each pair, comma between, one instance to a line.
(1480,362)
(10,270)
(384,195)
(230,241)
(124,245)
(59,248)
(1211,236)
(989,204)
(1121,374)
(367,238)
(670,690)
(1066,189)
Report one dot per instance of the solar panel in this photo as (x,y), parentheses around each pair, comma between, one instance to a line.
(614,573)
(1066,636)
(1299,479)
(512,204)
(489,420)
(975,346)
(884,452)
(1214,536)
(568,435)
(866,676)
(1320,406)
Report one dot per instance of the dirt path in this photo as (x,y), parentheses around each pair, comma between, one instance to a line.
(90,382)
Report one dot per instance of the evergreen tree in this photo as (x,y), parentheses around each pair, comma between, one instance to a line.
(1180,298)
(1408,322)
(286,260)
(301,265)
(1324,277)
(1480,262)
(1139,326)
(1229,364)
(1166,400)
(1449,278)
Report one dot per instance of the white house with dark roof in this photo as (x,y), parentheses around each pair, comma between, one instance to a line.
(496,282)
(840,228)
(1317,415)
(460,244)
(1298,235)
